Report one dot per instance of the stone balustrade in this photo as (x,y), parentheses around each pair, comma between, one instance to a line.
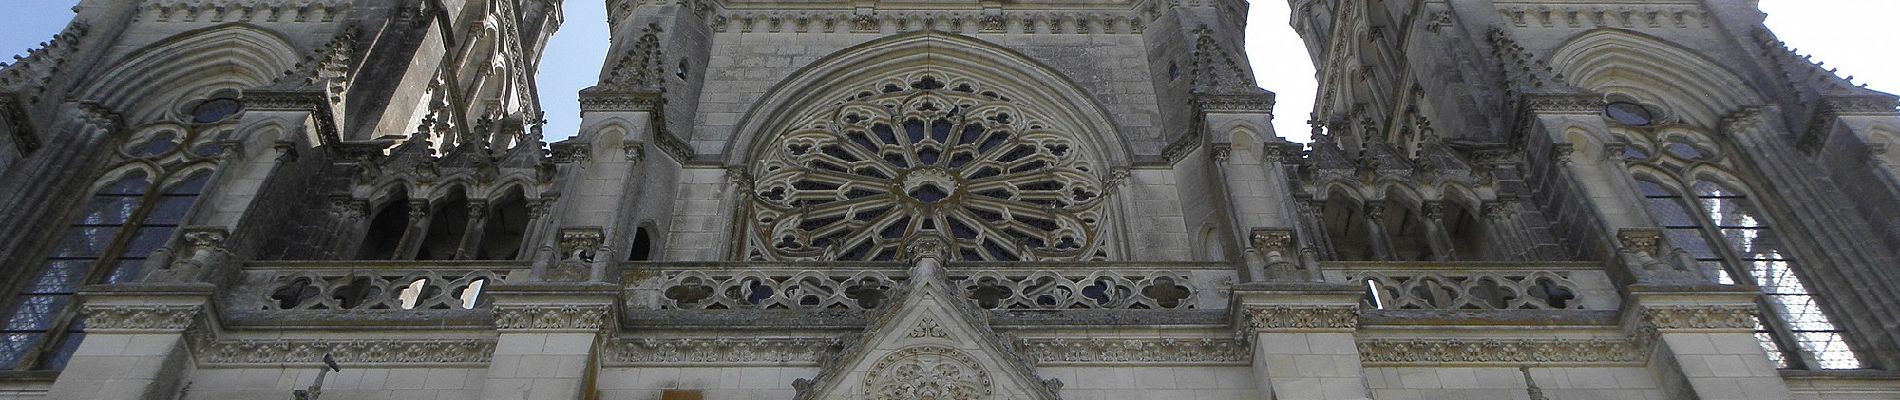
(858,286)
(1462,285)
(367,291)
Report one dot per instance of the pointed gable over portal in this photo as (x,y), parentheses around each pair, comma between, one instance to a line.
(930,344)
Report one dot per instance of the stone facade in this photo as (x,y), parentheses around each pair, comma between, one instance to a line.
(1507,199)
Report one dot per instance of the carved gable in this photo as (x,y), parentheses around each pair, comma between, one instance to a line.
(931,345)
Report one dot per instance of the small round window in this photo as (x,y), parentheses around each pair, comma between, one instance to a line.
(1631,114)
(215,110)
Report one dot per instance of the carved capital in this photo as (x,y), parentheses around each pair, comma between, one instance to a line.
(201,249)
(1433,210)
(1375,210)
(1562,153)
(1302,318)
(348,209)
(1267,241)
(569,317)
(1642,241)
(1221,153)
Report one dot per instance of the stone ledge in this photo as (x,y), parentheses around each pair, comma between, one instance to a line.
(1528,318)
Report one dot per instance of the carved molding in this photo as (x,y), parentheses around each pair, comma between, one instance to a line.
(720,351)
(1679,318)
(964,22)
(134,318)
(591,317)
(215,11)
(1062,351)
(1590,16)
(1512,351)
(1303,318)
(362,351)
(928,372)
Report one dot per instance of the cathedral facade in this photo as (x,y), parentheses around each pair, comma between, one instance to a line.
(1034,199)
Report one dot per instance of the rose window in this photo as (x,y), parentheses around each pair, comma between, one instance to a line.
(926,158)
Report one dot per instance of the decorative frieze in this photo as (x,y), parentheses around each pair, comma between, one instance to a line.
(1302,318)
(432,352)
(29,74)
(1066,351)
(1504,351)
(588,317)
(720,351)
(1721,318)
(221,11)
(966,22)
(112,318)
(1471,290)
(1592,16)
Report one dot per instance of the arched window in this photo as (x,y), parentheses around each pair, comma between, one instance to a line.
(448,223)
(1346,229)
(642,245)
(506,224)
(1717,223)
(127,219)
(386,229)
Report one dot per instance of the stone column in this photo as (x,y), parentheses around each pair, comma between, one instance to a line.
(550,336)
(471,244)
(1303,338)
(1432,215)
(416,232)
(1705,342)
(135,342)
(1382,249)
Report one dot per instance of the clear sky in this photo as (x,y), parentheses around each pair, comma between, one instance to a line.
(1854,35)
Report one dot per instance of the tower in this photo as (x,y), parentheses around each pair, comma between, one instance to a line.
(1677,139)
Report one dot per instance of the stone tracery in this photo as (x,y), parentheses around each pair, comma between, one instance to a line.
(927,156)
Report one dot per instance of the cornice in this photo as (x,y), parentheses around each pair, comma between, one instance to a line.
(433,352)
(1631,350)
(1085,351)
(1284,318)
(720,351)
(123,318)
(221,11)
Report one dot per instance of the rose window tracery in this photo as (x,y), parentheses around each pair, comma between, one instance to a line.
(924,156)
(927,372)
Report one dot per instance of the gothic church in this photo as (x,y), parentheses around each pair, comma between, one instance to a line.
(969,200)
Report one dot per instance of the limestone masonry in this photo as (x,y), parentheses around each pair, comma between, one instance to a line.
(909,199)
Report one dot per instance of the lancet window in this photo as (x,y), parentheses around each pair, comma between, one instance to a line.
(1689,189)
(927,155)
(133,213)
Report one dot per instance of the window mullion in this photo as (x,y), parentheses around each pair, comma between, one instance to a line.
(102,267)
(1769,315)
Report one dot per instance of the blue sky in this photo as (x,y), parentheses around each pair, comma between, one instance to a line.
(1853,35)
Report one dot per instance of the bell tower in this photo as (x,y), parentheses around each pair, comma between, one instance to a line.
(1677,139)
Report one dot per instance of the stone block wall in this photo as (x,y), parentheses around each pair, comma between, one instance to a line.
(276,383)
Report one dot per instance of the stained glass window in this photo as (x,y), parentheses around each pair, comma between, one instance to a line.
(127,220)
(927,157)
(1720,227)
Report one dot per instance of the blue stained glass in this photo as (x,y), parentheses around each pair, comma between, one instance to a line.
(133,184)
(147,240)
(190,186)
(158,145)
(64,353)
(15,346)
(108,210)
(36,312)
(60,276)
(1683,150)
(169,210)
(1776,277)
(85,241)
(127,270)
(1691,240)
(1653,189)
(1670,213)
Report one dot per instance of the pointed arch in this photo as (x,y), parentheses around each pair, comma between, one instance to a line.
(1697,89)
(148,83)
(1032,85)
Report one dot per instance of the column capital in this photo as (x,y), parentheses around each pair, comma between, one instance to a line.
(555,307)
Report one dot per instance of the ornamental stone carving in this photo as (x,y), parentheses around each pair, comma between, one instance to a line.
(1303,318)
(135,318)
(928,372)
(591,317)
(419,352)
(202,248)
(720,351)
(926,156)
(1438,352)
(1722,318)
(1062,351)
(927,327)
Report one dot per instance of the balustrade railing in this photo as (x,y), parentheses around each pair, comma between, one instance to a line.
(1456,285)
(368,286)
(859,286)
